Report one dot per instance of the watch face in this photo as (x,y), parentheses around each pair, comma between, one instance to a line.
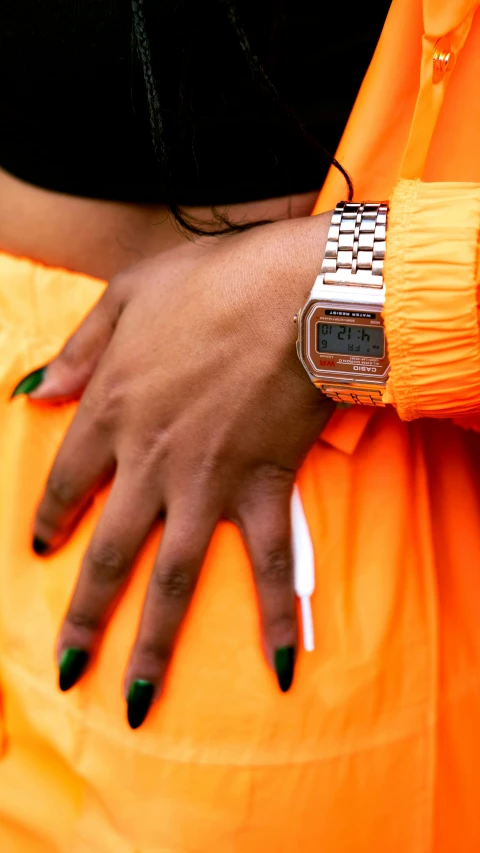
(344,339)
(344,342)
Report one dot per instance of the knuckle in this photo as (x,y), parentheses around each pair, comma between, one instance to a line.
(103,403)
(82,621)
(267,486)
(210,466)
(174,581)
(107,563)
(70,355)
(115,387)
(276,568)
(272,478)
(154,654)
(61,489)
(151,453)
(104,400)
(283,624)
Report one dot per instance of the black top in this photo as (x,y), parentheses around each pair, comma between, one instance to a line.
(73,109)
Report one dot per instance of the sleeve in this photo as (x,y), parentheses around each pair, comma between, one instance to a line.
(431,309)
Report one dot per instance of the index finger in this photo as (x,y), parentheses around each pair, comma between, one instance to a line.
(84,459)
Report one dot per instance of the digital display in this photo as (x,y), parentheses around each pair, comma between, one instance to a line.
(350,340)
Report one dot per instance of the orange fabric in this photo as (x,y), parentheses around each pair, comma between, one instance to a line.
(376,746)
(431,319)
(226,762)
(414,141)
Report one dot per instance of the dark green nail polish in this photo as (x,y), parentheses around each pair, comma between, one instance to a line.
(284,666)
(30,382)
(39,546)
(139,700)
(72,666)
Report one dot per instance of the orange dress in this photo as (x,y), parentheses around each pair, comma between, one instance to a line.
(376,746)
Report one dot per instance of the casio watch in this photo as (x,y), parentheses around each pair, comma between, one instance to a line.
(341,337)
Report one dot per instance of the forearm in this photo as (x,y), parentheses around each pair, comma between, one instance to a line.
(102,238)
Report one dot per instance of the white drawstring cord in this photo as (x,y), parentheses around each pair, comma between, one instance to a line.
(303,567)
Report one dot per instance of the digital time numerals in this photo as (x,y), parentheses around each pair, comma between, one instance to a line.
(354,340)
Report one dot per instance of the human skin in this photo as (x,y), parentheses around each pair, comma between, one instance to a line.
(211,420)
(216,360)
(102,238)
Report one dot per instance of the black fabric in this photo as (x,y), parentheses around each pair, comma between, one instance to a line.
(73,111)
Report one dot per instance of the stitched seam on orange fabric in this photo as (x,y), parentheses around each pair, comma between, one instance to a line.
(475,286)
(427,309)
(406,349)
(467,298)
(473,297)
(398,389)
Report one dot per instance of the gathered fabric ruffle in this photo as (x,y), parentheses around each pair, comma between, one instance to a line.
(431,310)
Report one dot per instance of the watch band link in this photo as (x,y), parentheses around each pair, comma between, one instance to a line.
(368,395)
(354,257)
(355,248)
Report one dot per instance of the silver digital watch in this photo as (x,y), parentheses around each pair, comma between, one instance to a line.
(341,337)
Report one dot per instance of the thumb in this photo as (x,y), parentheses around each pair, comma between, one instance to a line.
(68,374)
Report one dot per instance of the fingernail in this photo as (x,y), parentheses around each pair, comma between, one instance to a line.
(284,667)
(30,382)
(139,700)
(72,666)
(39,546)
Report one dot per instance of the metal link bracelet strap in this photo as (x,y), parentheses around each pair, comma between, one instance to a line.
(355,248)
(354,256)
(368,396)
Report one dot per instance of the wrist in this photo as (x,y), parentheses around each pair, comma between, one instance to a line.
(302,251)
(341,338)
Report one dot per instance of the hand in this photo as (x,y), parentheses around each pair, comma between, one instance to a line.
(200,409)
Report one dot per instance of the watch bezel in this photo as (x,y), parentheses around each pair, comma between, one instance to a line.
(341,368)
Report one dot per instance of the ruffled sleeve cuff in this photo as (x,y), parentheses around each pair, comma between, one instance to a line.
(431,310)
